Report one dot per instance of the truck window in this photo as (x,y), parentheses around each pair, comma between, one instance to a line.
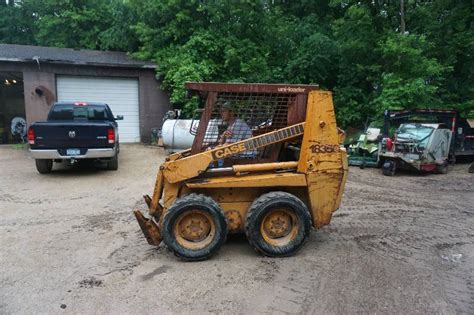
(72,112)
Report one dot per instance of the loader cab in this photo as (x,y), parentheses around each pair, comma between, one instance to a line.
(257,109)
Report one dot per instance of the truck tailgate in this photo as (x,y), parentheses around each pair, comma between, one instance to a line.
(58,135)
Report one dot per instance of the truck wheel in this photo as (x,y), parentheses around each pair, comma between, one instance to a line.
(380,162)
(451,159)
(113,163)
(44,166)
(389,168)
(442,168)
(277,224)
(194,227)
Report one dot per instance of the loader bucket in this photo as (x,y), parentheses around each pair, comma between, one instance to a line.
(147,200)
(149,228)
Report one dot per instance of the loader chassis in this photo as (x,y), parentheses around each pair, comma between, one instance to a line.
(292,179)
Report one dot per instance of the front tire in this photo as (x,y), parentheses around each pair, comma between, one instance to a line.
(194,227)
(389,168)
(277,224)
(44,166)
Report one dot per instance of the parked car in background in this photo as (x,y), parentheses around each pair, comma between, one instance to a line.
(75,131)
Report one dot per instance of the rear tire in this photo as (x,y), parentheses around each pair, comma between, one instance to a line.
(194,227)
(113,163)
(389,168)
(277,224)
(44,166)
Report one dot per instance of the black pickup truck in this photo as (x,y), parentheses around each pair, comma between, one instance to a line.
(75,131)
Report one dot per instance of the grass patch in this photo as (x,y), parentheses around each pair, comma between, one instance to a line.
(20,146)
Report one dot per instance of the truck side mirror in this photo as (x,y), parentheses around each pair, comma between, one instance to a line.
(119,117)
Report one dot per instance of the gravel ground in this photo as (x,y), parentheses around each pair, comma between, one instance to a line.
(69,243)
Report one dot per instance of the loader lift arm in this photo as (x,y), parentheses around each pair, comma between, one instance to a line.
(192,166)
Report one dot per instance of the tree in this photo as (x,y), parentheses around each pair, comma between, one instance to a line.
(372,53)
(15,25)
(410,79)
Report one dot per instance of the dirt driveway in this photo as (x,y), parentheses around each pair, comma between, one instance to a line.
(69,244)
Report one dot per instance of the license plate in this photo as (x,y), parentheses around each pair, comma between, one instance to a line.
(73,152)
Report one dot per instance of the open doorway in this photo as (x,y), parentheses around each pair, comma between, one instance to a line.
(12,108)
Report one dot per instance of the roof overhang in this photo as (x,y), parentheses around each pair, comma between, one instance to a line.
(64,62)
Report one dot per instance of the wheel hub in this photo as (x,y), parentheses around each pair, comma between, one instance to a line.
(194,226)
(277,224)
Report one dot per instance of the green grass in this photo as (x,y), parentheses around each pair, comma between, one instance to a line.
(20,146)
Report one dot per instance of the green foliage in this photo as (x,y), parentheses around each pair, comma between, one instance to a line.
(15,25)
(89,24)
(351,47)
(316,61)
(408,93)
(410,79)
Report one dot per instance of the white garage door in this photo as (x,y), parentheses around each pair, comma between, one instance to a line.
(120,94)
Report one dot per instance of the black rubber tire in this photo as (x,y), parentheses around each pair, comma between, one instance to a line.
(380,163)
(451,159)
(186,203)
(113,163)
(259,209)
(389,168)
(442,168)
(44,166)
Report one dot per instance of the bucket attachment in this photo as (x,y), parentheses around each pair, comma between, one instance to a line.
(147,200)
(149,228)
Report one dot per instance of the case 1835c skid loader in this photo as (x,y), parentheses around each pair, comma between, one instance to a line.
(267,160)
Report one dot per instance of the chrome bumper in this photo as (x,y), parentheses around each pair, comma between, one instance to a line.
(90,154)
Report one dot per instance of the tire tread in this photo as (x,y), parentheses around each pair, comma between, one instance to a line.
(197,198)
(254,211)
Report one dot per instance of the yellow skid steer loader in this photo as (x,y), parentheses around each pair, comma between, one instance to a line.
(266,160)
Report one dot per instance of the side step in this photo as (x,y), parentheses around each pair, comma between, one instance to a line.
(149,228)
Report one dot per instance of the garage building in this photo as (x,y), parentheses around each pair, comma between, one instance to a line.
(32,78)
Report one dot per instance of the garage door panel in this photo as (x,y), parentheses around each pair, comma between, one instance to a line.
(121,94)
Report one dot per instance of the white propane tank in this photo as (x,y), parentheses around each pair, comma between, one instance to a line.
(176,135)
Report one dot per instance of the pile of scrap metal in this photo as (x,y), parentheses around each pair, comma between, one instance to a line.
(424,140)
(421,147)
